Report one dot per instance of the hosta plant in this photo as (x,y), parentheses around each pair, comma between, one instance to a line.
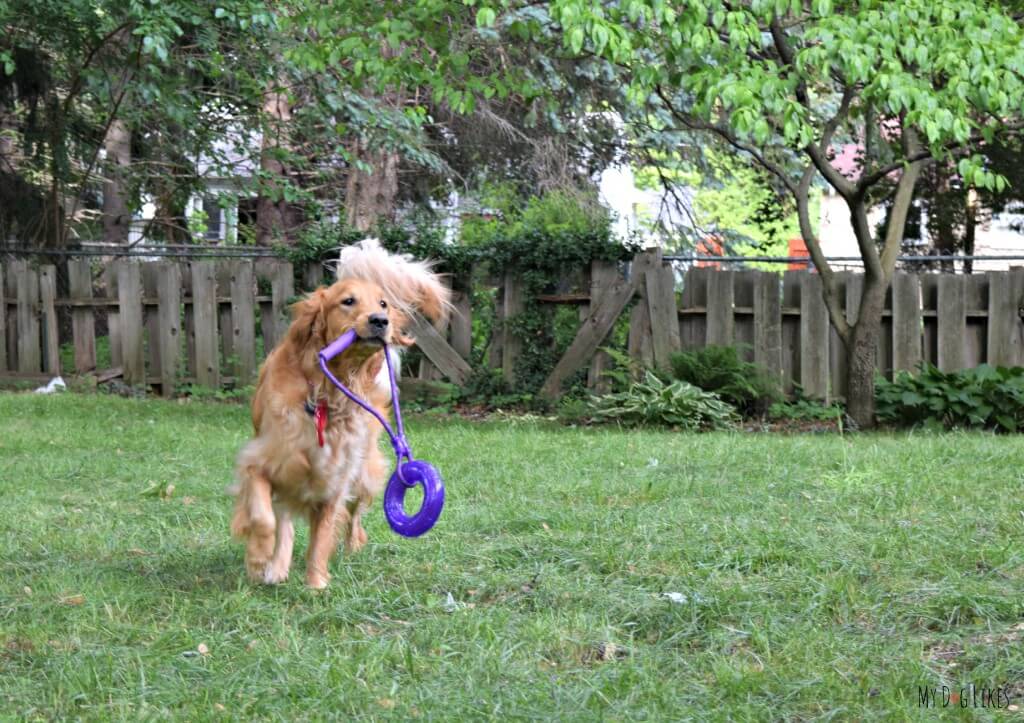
(673,404)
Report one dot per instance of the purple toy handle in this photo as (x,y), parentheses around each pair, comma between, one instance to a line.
(407,474)
(339,345)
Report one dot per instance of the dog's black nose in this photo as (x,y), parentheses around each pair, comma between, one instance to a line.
(378,323)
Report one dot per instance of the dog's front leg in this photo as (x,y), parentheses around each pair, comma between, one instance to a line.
(254,520)
(323,539)
(277,570)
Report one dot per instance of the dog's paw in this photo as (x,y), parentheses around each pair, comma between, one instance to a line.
(317,582)
(357,539)
(273,575)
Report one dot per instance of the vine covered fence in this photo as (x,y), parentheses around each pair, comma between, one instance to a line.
(209,322)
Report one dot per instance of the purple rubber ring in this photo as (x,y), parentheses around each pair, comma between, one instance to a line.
(407,474)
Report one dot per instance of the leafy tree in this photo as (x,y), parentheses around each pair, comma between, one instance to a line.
(781,80)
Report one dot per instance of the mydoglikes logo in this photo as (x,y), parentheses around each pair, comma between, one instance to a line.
(970,696)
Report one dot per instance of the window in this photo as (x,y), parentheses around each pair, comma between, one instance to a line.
(214,219)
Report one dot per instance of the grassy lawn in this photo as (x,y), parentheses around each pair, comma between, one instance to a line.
(818,577)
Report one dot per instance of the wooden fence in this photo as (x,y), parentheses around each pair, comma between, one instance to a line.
(210,322)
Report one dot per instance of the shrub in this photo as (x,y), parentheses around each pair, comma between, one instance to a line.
(806,410)
(674,404)
(984,397)
(720,369)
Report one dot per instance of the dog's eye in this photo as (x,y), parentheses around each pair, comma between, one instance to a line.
(383,304)
(349,301)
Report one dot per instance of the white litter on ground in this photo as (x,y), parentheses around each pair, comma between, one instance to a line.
(54,385)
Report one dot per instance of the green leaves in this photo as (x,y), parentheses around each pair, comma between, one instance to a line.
(653,402)
(984,397)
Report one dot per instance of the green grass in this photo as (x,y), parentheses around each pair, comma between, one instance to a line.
(824,578)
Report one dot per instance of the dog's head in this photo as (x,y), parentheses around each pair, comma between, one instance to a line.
(350,304)
(412,286)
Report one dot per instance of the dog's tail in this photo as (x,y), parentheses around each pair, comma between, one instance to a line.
(412,285)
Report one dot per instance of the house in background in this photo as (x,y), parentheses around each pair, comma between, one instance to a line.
(635,209)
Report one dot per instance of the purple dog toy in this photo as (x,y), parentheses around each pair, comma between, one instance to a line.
(407,474)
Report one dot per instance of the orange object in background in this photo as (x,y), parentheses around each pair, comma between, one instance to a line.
(710,246)
(798,249)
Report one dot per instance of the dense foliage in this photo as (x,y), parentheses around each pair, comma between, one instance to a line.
(673,404)
(720,369)
(985,397)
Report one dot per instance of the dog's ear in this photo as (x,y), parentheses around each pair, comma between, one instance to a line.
(308,323)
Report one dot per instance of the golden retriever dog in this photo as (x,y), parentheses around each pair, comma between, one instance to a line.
(329,476)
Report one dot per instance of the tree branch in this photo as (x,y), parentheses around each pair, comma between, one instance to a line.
(817,154)
(828,278)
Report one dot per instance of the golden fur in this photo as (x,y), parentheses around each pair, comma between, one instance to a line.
(282,471)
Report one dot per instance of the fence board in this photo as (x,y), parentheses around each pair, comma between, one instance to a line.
(462,325)
(29,355)
(10,291)
(511,345)
(929,325)
(791,328)
(661,306)
(313,275)
(3,323)
(113,316)
(951,323)
(223,273)
(814,333)
(639,341)
(47,298)
(204,316)
(906,321)
(188,320)
(975,303)
(83,320)
(447,360)
(129,292)
(429,370)
(603,276)
(598,324)
(282,290)
(168,293)
(743,320)
(850,288)
(692,323)
(768,324)
(151,316)
(243,321)
(1004,318)
(720,311)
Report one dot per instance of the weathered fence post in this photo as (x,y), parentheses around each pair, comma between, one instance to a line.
(27,279)
(720,312)
(814,333)
(3,322)
(243,321)
(768,324)
(906,322)
(48,299)
(603,275)
(113,317)
(1005,302)
(204,315)
(512,306)
(83,320)
(952,323)
(129,293)
(168,293)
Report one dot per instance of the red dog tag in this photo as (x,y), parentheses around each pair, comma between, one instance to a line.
(320,420)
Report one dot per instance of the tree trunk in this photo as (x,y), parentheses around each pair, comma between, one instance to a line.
(117,216)
(862,354)
(970,226)
(370,195)
(274,219)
